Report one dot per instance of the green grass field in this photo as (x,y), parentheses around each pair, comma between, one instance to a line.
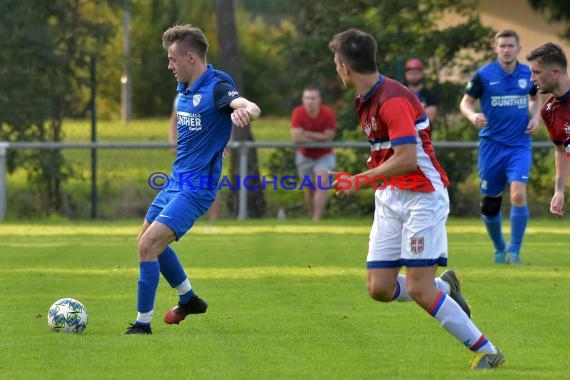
(287,301)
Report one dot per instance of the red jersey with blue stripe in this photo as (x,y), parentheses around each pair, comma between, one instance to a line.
(390,115)
(556,115)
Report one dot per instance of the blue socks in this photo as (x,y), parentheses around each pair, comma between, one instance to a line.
(173,272)
(147,285)
(493,224)
(170,267)
(519,220)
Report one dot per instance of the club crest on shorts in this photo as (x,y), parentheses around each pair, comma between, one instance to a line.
(417,245)
(196,99)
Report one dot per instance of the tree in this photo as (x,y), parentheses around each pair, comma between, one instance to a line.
(154,87)
(403,29)
(229,58)
(46,51)
(555,10)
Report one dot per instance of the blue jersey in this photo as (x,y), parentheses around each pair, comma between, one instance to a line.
(204,129)
(504,99)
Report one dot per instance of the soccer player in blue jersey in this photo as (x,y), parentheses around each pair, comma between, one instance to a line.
(208,106)
(509,115)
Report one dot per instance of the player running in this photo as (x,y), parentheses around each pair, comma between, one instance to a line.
(409,222)
(507,96)
(207,107)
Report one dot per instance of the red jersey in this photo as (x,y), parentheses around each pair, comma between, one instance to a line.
(556,115)
(390,115)
(326,119)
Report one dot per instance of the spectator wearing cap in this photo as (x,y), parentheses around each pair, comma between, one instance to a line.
(414,75)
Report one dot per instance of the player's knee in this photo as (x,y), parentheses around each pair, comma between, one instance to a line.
(147,249)
(379,294)
(491,206)
(518,198)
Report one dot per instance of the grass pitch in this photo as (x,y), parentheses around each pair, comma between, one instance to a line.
(287,301)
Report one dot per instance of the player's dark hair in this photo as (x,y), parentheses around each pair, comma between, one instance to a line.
(188,37)
(506,33)
(549,54)
(357,49)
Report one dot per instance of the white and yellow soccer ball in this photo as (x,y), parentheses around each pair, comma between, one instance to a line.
(67,315)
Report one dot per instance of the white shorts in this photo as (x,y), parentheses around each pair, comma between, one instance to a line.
(408,229)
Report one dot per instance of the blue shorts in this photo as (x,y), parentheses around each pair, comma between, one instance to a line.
(500,165)
(179,210)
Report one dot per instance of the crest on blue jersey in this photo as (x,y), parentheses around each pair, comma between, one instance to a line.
(522,83)
(196,99)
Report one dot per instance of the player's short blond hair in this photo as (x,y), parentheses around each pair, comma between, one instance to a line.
(188,37)
(507,33)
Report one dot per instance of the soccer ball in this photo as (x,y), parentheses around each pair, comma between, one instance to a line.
(67,315)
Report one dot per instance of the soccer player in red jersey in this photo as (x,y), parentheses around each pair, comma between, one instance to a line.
(549,71)
(409,222)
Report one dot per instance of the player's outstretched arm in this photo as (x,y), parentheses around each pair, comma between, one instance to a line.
(244,111)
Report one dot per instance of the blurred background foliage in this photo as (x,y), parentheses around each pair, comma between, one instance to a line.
(48,48)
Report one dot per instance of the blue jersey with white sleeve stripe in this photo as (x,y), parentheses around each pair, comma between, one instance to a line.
(504,99)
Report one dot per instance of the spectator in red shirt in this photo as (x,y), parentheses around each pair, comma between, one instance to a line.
(314,122)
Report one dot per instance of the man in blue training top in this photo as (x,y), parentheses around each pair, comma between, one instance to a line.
(207,107)
(510,114)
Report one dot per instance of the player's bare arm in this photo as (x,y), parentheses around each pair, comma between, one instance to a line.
(467,108)
(431,112)
(244,112)
(534,110)
(172,130)
(402,162)
(562,171)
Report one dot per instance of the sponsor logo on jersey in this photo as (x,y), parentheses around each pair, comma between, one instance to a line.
(520,101)
(231,94)
(548,107)
(196,99)
(567,128)
(191,120)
